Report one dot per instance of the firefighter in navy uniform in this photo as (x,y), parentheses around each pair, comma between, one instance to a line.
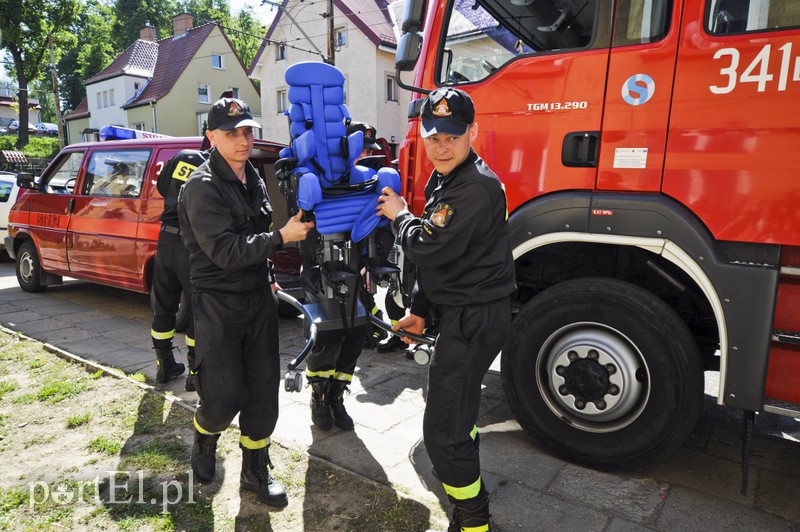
(461,247)
(171,269)
(226,223)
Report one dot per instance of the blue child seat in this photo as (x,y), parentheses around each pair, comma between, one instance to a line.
(342,194)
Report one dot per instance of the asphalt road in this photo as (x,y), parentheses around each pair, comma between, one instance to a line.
(697,488)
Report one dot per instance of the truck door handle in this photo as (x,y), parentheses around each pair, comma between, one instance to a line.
(581,149)
(71,205)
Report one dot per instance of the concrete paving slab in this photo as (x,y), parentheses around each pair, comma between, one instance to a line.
(621,525)
(96,345)
(509,458)
(61,308)
(779,494)
(632,497)
(692,511)
(21,318)
(522,508)
(105,325)
(63,335)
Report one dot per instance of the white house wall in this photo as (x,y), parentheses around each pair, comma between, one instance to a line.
(113,114)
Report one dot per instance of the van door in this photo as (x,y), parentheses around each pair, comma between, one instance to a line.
(49,209)
(101,239)
(536,72)
(638,95)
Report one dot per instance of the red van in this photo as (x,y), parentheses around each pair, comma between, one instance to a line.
(94,214)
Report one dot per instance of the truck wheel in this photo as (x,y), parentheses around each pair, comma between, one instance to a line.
(182,316)
(603,373)
(29,269)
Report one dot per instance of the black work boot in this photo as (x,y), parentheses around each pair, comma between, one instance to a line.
(393,343)
(204,456)
(375,334)
(168,369)
(473,515)
(320,413)
(190,378)
(255,477)
(335,399)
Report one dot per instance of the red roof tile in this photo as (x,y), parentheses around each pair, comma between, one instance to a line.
(81,111)
(139,59)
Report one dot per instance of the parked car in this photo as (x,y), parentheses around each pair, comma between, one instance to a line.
(47,129)
(13,127)
(8,195)
(94,215)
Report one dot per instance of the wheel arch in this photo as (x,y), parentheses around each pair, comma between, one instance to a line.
(738,282)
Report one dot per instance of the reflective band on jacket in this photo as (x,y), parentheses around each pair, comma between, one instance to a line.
(162,335)
(375,310)
(247,443)
(189,342)
(467,492)
(473,432)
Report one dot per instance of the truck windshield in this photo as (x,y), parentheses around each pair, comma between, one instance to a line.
(483,35)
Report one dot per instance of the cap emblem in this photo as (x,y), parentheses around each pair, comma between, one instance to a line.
(235,110)
(442,109)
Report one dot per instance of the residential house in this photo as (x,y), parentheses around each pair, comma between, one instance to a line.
(365,34)
(9,106)
(165,86)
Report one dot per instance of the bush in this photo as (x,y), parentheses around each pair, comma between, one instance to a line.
(38,147)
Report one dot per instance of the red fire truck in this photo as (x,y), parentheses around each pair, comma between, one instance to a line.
(646,148)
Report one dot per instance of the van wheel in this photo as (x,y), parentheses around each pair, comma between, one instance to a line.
(603,373)
(182,316)
(29,269)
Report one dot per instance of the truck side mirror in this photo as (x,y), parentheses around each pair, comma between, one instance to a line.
(413,16)
(408,49)
(25,180)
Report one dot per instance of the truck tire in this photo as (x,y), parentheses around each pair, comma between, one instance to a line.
(182,316)
(29,269)
(603,373)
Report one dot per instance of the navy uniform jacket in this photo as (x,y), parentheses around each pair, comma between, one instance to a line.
(460,243)
(227,228)
(171,179)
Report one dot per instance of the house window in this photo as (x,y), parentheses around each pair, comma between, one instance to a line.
(111,97)
(341,37)
(391,89)
(105,98)
(234,92)
(216,61)
(283,101)
(99,100)
(280,52)
(344,89)
(203,93)
(139,126)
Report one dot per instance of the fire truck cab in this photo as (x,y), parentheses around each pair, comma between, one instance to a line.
(647,150)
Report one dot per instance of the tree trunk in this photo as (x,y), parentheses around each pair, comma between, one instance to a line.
(22,81)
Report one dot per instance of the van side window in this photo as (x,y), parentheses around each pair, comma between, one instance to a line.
(483,35)
(64,175)
(116,173)
(641,21)
(729,17)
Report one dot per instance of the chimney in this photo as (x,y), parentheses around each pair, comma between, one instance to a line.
(181,24)
(147,32)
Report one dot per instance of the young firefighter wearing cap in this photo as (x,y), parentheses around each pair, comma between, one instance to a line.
(461,246)
(226,223)
(171,269)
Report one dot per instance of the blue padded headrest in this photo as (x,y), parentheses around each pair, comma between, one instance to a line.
(355,143)
(313,73)
(388,177)
(309,193)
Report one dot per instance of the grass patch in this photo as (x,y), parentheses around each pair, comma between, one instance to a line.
(157,456)
(139,377)
(24,399)
(105,445)
(97,374)
(7,387)
(56,390)
(78,420)
(12,498)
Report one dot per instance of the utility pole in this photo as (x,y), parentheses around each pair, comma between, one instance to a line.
(55,91)
(331,35)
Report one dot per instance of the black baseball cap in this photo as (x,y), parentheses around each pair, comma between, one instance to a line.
(230,113)
(447,110)
(369,134)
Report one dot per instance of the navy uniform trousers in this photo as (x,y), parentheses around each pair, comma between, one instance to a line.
(469,340)
(170,278)
(238,362)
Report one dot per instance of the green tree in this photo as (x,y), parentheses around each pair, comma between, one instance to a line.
(131,15)
(94,50)
(246,33)
(204,11)
(25,27)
